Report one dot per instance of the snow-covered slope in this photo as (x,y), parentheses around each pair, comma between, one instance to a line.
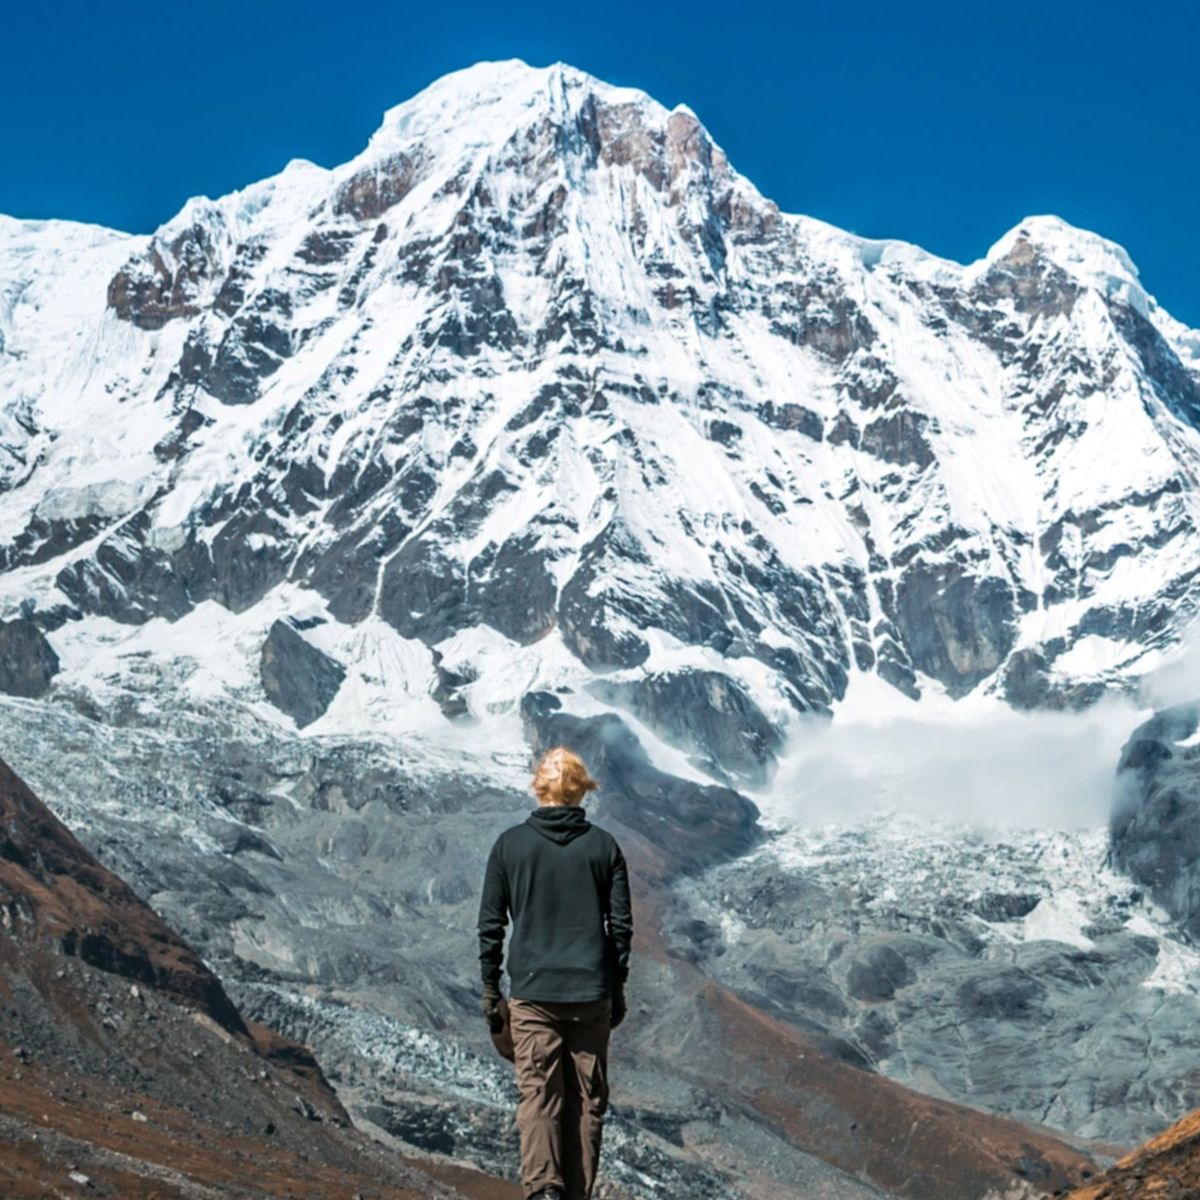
(538,389)
(321,502)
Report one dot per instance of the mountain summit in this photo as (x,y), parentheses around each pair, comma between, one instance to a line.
(539,377)
(536,422)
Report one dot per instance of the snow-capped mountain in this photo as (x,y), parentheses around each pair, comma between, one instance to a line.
(324,504)
(537,391)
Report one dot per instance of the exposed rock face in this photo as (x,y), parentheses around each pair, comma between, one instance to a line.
(298,678)
(447,691)
(1029,683)
(958,628)
(1155,824)
(27,661)
(368,194)
(492,418)
(689,825)
(704,712)
(166,282)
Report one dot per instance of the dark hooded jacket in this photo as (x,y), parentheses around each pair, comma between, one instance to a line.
(563,883)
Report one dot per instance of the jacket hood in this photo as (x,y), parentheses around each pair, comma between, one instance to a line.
(559,823)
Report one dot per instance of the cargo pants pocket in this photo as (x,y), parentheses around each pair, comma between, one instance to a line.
(593,1078)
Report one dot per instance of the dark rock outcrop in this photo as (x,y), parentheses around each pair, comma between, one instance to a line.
(299,679)
(1155,823)
(27,660)
(165,282)
(373,190)
(705,713)
(689,825)
(1028,684)
(251,349)
(957,627)
(447,691)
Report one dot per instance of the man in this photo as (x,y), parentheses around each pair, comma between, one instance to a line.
(563,883)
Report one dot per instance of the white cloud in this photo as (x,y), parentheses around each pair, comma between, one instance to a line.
(976,761)
(1177,680)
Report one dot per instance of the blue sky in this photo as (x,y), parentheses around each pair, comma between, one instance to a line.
(939,123)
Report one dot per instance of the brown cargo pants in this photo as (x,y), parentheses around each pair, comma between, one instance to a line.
(561,1055)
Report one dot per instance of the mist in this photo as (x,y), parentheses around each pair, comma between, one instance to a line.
(975,760)
(1177,680)
(987,765)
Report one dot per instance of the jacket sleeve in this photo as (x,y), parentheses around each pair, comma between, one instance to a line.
(493,918)
(620,916)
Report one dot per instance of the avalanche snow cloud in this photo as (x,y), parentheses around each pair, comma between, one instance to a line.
(976,763)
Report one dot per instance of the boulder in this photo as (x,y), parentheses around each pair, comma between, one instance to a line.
(27,660)
(1155,823)
(299,679)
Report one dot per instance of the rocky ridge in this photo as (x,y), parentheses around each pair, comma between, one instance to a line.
(1166,1168)
(331,498)
(539,377)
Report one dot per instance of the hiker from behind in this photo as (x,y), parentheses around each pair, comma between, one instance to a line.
(563,884)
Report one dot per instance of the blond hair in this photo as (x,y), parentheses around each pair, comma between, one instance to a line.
(561,778)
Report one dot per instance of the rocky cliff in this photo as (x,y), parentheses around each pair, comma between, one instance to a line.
(1154,828)
(537,377)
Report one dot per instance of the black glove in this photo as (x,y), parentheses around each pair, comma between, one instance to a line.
(618,1006)
(490,1003)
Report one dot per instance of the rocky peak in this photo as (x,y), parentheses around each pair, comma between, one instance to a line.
(1086,255)
(538,363)
(501,116)
(1043,263)
(485,104)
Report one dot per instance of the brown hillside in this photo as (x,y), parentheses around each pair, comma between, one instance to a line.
(124,1062)
(1165,1168)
